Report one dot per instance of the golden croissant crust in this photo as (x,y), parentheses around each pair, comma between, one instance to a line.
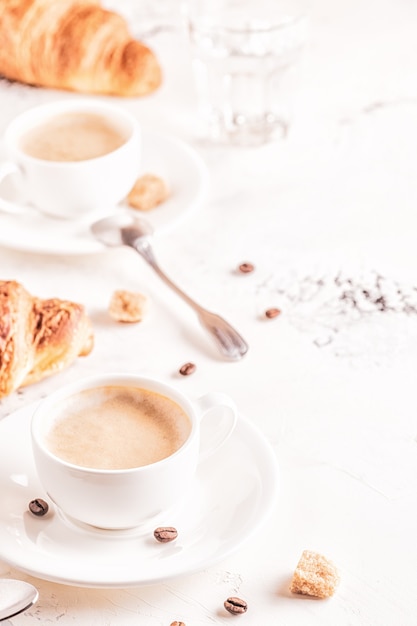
(74,45)
(38,337)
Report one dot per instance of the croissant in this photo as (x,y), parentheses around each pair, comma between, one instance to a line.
(74,45)
(38,337)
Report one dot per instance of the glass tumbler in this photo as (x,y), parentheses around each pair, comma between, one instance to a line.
(245,57)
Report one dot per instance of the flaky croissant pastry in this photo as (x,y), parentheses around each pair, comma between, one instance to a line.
(38,337)
(74,45)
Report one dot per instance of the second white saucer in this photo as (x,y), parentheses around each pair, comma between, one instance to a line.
(174,160)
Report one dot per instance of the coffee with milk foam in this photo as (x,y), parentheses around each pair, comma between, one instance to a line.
(116,427)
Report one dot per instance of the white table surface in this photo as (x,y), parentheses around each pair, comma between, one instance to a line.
(325,215)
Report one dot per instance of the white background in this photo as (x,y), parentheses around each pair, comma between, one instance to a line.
(332,387)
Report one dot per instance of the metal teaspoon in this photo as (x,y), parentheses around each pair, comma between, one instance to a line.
(125,229)
(16,596)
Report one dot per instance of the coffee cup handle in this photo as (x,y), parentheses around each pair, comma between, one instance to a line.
(215,431)
(7,168)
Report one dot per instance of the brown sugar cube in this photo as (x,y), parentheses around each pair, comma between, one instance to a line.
(127,306)
(148,191)
(314,576)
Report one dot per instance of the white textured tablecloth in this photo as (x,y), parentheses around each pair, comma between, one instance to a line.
(329,219)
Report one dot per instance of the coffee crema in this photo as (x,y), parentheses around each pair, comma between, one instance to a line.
(116,427)
(77,136)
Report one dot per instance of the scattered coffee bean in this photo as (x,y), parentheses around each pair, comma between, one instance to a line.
(164,534)
(235,606)
(187,369)
(177,624)
(246,268)
(271,313)
(38,507)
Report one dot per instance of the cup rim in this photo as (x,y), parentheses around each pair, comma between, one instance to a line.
(100,380)
(48,110)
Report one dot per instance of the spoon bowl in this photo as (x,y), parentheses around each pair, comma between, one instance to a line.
(111,230)
(126,229)
(16,596)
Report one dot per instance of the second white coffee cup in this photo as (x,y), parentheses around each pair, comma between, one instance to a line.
(71,158)
(115,451)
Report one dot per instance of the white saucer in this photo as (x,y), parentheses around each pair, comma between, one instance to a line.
(234,492)
(175,161)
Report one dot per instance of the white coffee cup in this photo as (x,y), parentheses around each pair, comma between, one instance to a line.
(125,497)
(71,188)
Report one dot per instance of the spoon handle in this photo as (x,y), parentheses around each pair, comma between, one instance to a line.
(228,340)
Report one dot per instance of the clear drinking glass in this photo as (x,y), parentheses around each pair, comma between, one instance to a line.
(245,56)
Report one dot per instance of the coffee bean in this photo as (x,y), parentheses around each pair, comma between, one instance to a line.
(235,606)
(246,268)
(177,624)
(187,369)
(164,534)
(38,507)
(271,313)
